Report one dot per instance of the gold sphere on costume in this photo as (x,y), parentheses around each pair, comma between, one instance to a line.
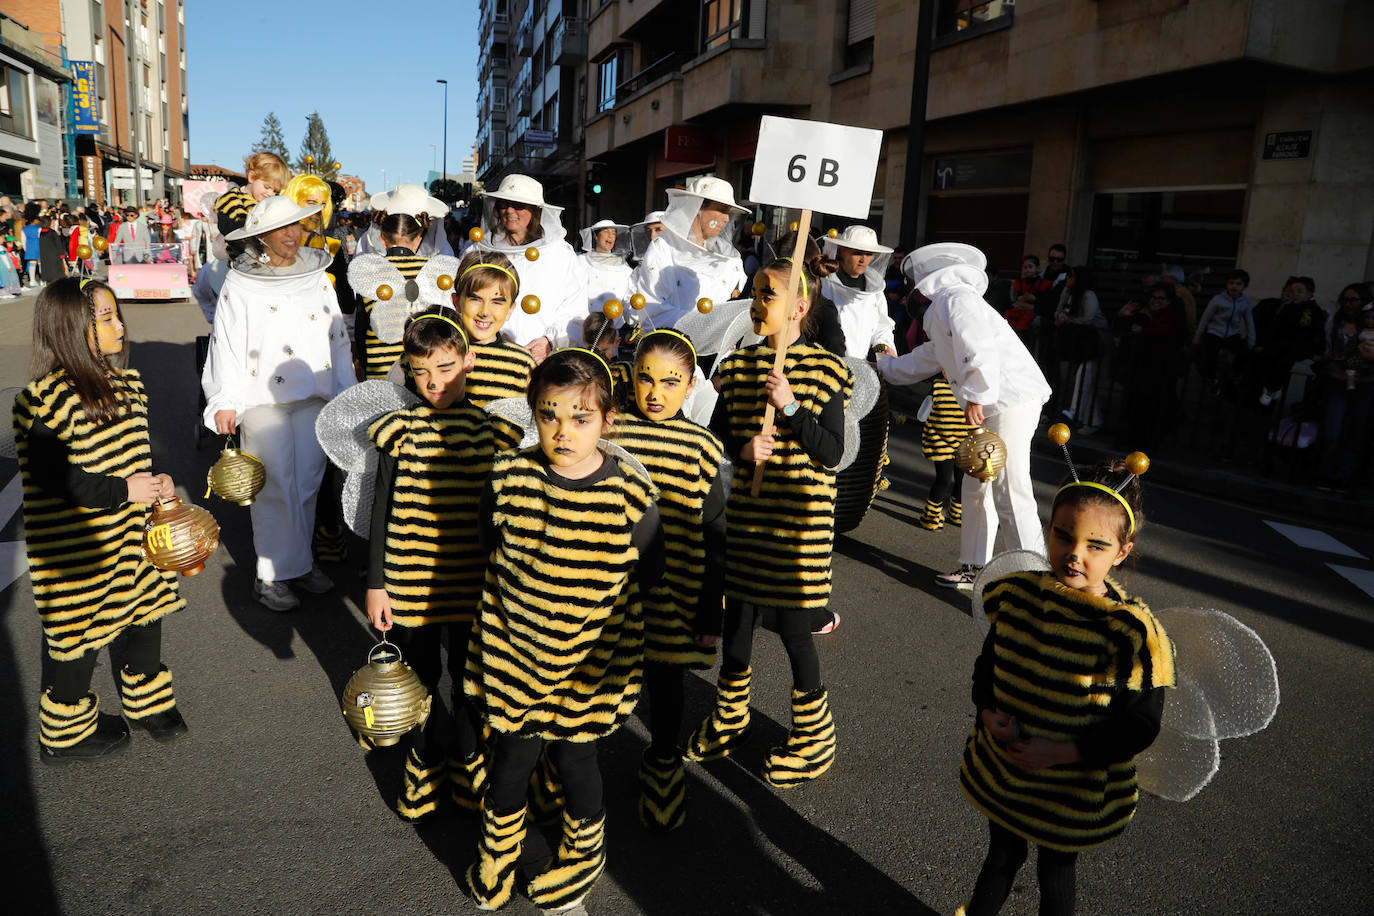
(833,234)
(385,698)
(1137,463)
(309,158)
(444,282)
(760,228)
(794,226)
(100,243)
(1059,434)
(475,234)
(83,251)
(982,454)
(612,309)
(337,166)
(530,304)
(179,538)
(637,301)
(705,305)
(383,293)
(237,476)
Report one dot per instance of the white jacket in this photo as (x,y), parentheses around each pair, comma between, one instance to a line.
(980,354)
(608,277)
(277,337)
(674,274)
(558,279)
(863,314)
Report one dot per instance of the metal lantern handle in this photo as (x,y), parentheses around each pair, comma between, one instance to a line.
(371,653)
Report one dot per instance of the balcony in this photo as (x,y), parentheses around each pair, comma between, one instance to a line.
(569,43)
(524,33)
(522,104)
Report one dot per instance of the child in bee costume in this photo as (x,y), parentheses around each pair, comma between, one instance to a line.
(943,430)
(486,292)
(779,542)
(401,234)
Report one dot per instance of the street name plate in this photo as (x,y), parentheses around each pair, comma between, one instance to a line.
(1288,144)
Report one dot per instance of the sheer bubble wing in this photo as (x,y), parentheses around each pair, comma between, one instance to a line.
(1004,564)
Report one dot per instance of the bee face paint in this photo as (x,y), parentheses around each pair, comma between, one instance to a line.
(106,335)
(769,309)
(484,312)
(662,383)
(570,424)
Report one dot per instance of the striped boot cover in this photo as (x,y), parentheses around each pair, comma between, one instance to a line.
(810,747)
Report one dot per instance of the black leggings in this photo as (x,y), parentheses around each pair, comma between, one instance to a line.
(513,759)
(1006,854)
(71,680)
(422,648)
(943,486)
(794,627)
(664,683)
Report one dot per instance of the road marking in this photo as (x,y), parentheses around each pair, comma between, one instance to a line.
(14,562)
(1312,539)
(1361,578)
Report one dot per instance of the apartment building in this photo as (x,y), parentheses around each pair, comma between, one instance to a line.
(1198,132)
(33,82)
(128,103)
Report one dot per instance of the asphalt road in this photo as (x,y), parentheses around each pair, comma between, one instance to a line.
(268,805)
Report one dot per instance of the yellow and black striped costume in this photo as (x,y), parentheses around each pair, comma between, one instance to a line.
(683,460)
(558,647)
(501,370)
(1058,658)
(90,579)
(231,212)
(432,563)
(377,357)
(945,428)
(780,541)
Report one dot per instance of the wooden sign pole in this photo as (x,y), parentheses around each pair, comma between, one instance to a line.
(784,336)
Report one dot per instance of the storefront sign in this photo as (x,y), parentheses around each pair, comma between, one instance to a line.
(83,98)
(540,139)
(90,177)
(815,165)
(1288,144)
(689,144)
(1009,170)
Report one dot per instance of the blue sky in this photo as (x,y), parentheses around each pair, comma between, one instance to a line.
(368,68)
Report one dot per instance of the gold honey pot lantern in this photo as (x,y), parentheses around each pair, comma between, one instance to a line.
(384,699)
(179,537)
(982,454)
(237,476)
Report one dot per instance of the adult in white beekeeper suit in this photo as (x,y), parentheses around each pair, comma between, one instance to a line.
(605,253)
(997,382)
(412,200)
(858,290)
(644,232)
(517,222)
(695,257)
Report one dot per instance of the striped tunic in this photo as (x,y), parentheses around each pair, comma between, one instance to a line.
(501,370)
(945,428)
(433,565)
(780,541)
(557,651)
(683,460)
(1058,657)
(90,579)
(379,357)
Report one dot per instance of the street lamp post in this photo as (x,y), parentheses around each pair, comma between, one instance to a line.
(445,172)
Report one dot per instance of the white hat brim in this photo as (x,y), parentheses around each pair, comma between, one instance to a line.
(285,220)
(432,205)
(873,248)
(679,192)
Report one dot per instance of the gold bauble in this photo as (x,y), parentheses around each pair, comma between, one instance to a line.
(833,234)
(179,538)
(1137,463)
(531,253)
(100,243)
(84,252)
(530,304)
(705,305)
(1059,434)
(637,301)
(337,166)
(444,282)
(982,454)
(794,225)
(760,228)
(383,293)
(385,699)
(237,476)
(309,158)
(612,309)
(475,234)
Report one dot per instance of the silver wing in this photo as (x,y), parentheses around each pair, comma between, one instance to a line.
(720,330)
(439,265)
(864,395)
(517,411)
(342,427)
(1004,564)
(368,272)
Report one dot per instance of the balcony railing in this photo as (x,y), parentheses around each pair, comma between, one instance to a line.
(569,41)
(668,63)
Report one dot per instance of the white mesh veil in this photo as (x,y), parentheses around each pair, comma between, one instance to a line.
(641,233)
(620,250)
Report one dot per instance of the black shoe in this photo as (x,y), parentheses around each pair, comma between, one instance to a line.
(163,726)
(110,739)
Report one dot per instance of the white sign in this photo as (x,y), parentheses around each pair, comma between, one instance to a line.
(815,165)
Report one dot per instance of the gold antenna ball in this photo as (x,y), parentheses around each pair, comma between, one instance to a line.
(383,293)
(530,304)
(705,305)
(612,309)
(637,301)
(475,234)
(760,228)
(444,282)
(1059,434)
(833,234)
(1137,463)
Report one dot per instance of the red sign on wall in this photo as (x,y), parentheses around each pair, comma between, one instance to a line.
(695,145)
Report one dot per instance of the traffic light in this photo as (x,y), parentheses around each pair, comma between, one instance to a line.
(593,182)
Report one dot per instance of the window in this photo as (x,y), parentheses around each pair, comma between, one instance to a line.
(956,16)
(863,19)
(608,76)
(14,102)
(718,19)
(498,98)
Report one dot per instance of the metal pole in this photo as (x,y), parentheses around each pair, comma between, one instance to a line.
(445,172)
(132,66)
(916,130)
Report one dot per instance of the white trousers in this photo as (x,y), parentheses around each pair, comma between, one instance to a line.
(1008,499)
(283,436)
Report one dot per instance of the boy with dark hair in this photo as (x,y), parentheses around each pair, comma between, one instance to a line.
(1228,323)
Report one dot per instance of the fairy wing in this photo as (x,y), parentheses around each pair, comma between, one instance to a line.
(720,330)
(517,411)
(427,281)
(862,397)
(1228,687)
(367,273)
(1004,564)
(342,427)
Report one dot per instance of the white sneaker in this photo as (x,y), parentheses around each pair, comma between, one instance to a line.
(315,582)
(275,596)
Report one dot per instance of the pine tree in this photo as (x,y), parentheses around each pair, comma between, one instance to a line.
(315,156)
(272,140)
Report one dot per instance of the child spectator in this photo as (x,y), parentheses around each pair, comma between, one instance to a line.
(1228,323)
